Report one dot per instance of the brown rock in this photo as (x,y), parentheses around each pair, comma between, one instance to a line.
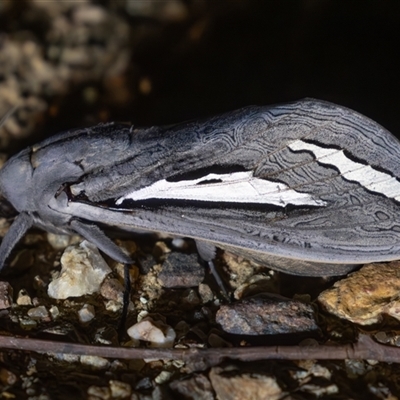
(197,387)
(231,384)
(365,295)
(181,270)
(266,315)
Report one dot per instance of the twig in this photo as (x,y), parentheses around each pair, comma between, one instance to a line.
(200,359)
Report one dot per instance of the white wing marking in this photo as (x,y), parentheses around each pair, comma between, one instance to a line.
(365,175)
(236,187)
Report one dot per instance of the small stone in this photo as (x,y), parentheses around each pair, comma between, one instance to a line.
(83,271)
(355,368)
(365,295)
(157,334)
(163,377)
(113,306)
(54,311)
(160,249)
(23,298)
(120,390)
(6,294)
(266,315)
(190,298)
(27,323)
(7,377)
(106,335)
(318,391)
(196,387)
(205,293)
(144,384)
(99,392)
(179,243)
(38,313)
(59,242)
(86,313)
(94,361)
(181,270)
(230,383)
(112,289)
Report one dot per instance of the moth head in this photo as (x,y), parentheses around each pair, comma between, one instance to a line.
(15,181)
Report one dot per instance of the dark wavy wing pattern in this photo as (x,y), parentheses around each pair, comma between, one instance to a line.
(357,223)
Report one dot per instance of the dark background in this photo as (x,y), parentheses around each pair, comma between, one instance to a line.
(263,52)
(226,54)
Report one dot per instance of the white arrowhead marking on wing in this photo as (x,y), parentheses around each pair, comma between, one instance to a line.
(236,187)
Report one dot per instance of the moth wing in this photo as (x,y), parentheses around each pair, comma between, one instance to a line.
(307,181)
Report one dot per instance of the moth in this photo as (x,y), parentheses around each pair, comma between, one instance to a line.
(307,187)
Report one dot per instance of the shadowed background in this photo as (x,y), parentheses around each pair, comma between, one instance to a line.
(187,59)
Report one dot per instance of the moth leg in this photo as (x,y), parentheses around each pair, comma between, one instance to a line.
(127,292)
(17,230)
(207,253)
(95,235)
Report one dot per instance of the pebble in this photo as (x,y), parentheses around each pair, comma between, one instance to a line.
(38,313)
(190,298)
(7,377)
(27,323)
(59,242)
(266,315)
(83,270)
(55,312)
(120,390)
(205,293)
(181,270)
(230,383)
(196,387)
(157,334)
(365,295)
(112,289)
(99,393)
(23,298)
(163,377)
(95,361)
(86,313)
(6,294)
(113,306)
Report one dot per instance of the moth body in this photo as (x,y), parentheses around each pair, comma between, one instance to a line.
(309,187)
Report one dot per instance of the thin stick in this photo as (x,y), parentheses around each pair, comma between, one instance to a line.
(200,359)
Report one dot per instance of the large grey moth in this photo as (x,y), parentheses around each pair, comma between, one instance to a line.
(308,187)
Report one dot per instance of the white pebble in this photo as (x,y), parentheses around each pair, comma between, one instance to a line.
(38,313)
(55,312)
(95,361)
(83,270)
(157,334)
(58,242)
(23,298)
(86,313)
